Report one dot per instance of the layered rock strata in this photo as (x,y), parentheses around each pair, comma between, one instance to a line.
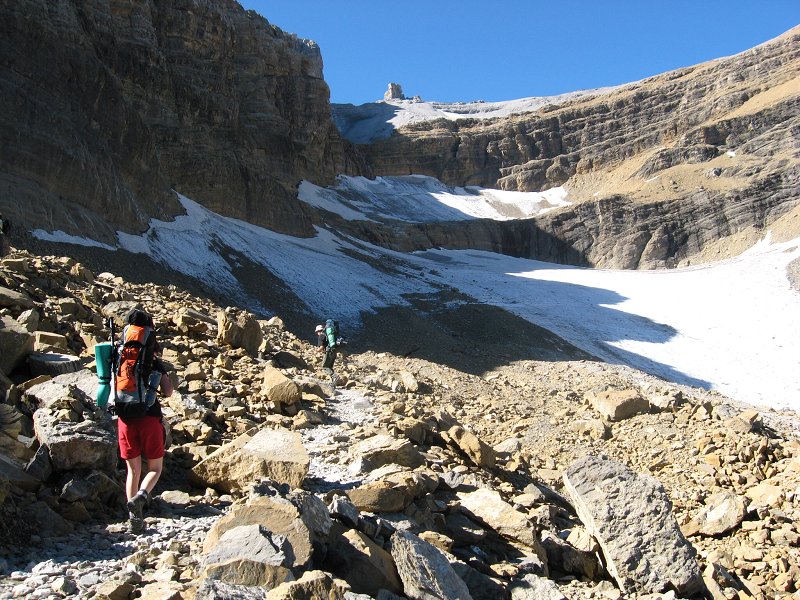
(107,107)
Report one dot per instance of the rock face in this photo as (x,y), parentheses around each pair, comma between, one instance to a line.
(213,102)
(656,169)
(630,516)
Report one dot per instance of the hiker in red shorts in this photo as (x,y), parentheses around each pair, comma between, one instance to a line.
(138,375)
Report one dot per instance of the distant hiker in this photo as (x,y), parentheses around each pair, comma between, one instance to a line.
(138,374)
(328,341)
(5,229)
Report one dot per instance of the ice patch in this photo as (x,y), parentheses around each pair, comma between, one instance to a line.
(65,238)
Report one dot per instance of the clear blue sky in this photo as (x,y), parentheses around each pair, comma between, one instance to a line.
(449,50)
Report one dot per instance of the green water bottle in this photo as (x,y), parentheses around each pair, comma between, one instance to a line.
(102,358)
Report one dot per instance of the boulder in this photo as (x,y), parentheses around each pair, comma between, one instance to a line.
(239,329)
(766,494)
(617,405)
(382,449)
(29,319)
(424,570)
(380,496)
(533,587)
(10,298)
(249,555)
(276,454)
(301,518)
(487,506)
(631,517)
(13,474)
(279,389)
(82,444)
(475,449)
(723,511)
(80,385)
(365,566)
(15,344)
(313,584)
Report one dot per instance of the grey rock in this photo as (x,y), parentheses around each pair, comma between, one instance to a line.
(249,555)
(15,344)
(631,517)
(532,587)
(425,572)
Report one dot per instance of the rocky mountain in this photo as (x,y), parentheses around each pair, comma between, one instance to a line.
(409,480)
(108,106)
(657,170)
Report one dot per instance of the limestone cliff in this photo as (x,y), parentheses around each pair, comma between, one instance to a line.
(105,106)
(656,169)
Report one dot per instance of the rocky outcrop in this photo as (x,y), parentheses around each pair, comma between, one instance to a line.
(107,107)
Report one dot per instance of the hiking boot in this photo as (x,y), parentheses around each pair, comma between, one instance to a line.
(135,523)
(137,503)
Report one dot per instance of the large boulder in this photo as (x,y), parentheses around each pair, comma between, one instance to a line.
(425,572)
(76,435)
(533,587)
(279,389)
(10,298)
(488,507)
(366,566)
(239,329)
(618,405)
(250,555)
(312,584)
(381,449)
(631,517)
(15,344)
(300,516)
(275,454)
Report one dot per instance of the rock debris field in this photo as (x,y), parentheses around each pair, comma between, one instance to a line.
(412,479)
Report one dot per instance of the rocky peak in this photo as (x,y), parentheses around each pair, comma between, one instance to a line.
(394,92)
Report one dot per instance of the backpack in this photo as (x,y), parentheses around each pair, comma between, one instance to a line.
(130,385)
(332,332)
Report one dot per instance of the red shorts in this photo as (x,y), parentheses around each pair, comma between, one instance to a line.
(143,436)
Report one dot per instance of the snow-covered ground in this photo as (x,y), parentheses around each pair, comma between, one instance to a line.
(416,198)
(378,120)
(733,326)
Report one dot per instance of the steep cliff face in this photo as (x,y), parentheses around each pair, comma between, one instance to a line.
(655,169)
(106,105)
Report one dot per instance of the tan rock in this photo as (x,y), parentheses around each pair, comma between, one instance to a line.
(478,452)
(618,405)
(276,454)
(279,389)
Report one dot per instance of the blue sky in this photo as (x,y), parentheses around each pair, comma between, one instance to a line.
(466,50)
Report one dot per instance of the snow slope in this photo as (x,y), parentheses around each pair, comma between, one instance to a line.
(732,326)
(417,198)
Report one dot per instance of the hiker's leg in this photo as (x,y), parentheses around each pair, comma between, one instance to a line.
(153,451)
(154,467)
(134,474)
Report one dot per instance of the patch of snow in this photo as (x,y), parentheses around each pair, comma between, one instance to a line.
(731,153)
(420,199)
(65,238)
(652,179)
(726,326)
